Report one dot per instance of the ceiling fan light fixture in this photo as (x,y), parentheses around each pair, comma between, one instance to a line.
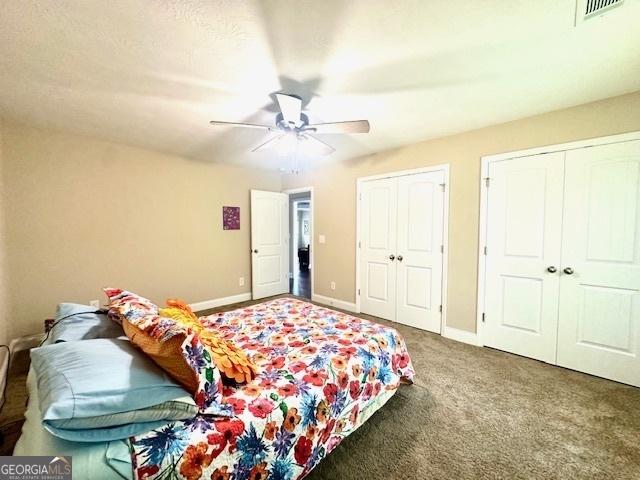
(293,126)
(288,143)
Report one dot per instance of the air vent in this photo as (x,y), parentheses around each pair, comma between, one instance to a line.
(587,9)
(595,7)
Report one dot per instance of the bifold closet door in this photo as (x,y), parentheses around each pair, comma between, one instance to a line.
(599,318)
(419,250)
(524,234)
(378,210)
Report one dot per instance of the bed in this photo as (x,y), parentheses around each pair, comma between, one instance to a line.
(323,373)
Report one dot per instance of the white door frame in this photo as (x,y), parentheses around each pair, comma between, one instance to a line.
(312,263)
(445,231)
(484,195)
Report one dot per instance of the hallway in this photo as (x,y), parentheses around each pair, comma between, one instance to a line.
(300,284)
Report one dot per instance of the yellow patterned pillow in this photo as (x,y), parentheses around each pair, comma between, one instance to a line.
(230,360)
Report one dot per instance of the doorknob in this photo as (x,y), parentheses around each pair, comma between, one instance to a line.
(552,269)
(255,251)
(392,257)
(568,271)
(399,258)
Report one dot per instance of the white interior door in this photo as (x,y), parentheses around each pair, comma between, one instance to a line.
(524,234)
(420,250)
(599,329)
(269,243)
(378,247)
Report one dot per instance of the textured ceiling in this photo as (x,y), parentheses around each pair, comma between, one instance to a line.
(153,73)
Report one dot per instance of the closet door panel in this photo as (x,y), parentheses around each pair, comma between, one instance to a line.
(419,260)
(599,329)
(378,210)
(524,228)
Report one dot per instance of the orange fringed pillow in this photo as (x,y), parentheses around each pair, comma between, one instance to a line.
(232,362)
(168,355)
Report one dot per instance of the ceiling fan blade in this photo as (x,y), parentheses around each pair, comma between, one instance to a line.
(237,124)
(291,108)
(315,146)
(271,143)
(354,126)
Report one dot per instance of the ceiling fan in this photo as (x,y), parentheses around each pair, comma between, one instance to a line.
(293,128)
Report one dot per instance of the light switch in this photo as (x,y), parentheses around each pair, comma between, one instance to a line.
(321,239)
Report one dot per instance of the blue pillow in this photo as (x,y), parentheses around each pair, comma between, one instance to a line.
(107,434)
(104,383)
(80,322)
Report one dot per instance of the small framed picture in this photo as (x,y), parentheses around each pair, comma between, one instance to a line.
(231,218)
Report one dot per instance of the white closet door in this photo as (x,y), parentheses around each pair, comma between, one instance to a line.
(599,331)
(419,251)
(524,229)
(378,248)
(269,243)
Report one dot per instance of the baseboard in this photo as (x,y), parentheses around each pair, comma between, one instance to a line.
(219,302)
(458,335)
(333,302)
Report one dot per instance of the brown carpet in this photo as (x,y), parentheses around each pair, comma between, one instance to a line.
(12,416)
(477,413)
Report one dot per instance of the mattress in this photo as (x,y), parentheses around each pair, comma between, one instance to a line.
(323,373)
(99,461)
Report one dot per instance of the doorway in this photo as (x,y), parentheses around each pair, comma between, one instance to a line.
(300,233)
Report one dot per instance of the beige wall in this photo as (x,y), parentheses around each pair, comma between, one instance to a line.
(78,214)
(335,191)
(82,214)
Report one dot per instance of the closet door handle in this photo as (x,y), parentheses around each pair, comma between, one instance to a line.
(399,258)
(392,257)
(552,269)
(568,271)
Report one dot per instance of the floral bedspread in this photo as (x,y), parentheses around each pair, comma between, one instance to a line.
(318,370)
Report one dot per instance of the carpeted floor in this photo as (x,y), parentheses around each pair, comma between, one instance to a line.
(12,416)
(477,413)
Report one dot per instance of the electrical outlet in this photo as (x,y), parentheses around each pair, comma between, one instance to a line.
(241,281)
(95,303)
(333,285)
(321,239)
